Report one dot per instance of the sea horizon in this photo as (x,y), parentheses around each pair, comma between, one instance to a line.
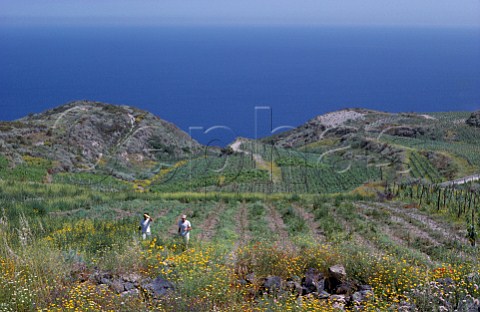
(209,76)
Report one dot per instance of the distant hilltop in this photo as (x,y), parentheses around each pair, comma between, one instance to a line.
(132,144)
(85,134)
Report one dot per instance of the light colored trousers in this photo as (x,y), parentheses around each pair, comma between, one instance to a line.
(186,238)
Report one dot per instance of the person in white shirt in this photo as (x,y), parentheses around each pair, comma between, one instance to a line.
(184,228)
(145,226)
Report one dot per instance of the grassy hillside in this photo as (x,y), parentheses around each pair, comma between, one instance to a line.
(71,238)
(272,220)
(331,153)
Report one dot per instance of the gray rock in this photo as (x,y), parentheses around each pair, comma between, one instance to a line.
(323,295)
(474,119)
(118,286)
(339,302)
(313,281)
(338,298)
(338,272)
(132,278)
(345,289)
(159,287)
(362,296)
(338,306)
(105,280)
(133,292)
(336,276)
(294,287)
(272,284)
(129,286)
(321,285)
(101,277)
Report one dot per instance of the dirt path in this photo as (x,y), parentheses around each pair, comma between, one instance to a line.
(443,230)
(242,227)
(470,178)
(208,227)
(388,228)
(418,233)
(273,170)
(242,230)
(310,221)
(360,240)
(276,225)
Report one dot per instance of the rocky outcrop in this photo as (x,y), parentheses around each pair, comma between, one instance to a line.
(334,286)
(133,284)
(159,287)
(474,119)
(85,135)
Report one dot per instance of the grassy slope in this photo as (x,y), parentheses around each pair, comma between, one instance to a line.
(58,230)
(56,233)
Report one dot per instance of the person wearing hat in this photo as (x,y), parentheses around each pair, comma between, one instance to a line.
(145,225)
(184,228)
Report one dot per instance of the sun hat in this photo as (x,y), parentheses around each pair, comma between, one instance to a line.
(184,216)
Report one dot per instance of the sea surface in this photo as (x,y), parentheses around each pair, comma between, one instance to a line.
(221,82)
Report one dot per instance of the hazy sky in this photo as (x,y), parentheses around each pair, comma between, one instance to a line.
(265,12)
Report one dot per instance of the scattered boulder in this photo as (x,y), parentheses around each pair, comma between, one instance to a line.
(294,287)
(272,284)
(313,281)
(339,302)
(362,296)
(345,288)
(338,272)
(130,284)
(117,285)
(132,277)
(322,295)
(101,277)
(474,119)
(133,292)
(333,286)
(159,287)
(336,276)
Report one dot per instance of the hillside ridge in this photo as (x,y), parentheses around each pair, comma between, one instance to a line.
(85,134)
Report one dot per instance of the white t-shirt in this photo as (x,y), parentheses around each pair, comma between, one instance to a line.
(183,227)
(145,224)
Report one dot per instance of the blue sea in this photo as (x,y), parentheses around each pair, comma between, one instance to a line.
(247,80)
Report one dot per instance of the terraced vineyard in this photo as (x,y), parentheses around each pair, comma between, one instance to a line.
(358,216)
(83,243)
(421,168)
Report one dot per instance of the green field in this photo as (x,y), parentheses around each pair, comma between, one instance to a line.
(56,237)
(271,223)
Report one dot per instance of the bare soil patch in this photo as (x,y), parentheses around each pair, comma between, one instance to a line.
(208,227)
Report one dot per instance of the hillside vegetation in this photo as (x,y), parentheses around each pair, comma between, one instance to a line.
(356,210)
